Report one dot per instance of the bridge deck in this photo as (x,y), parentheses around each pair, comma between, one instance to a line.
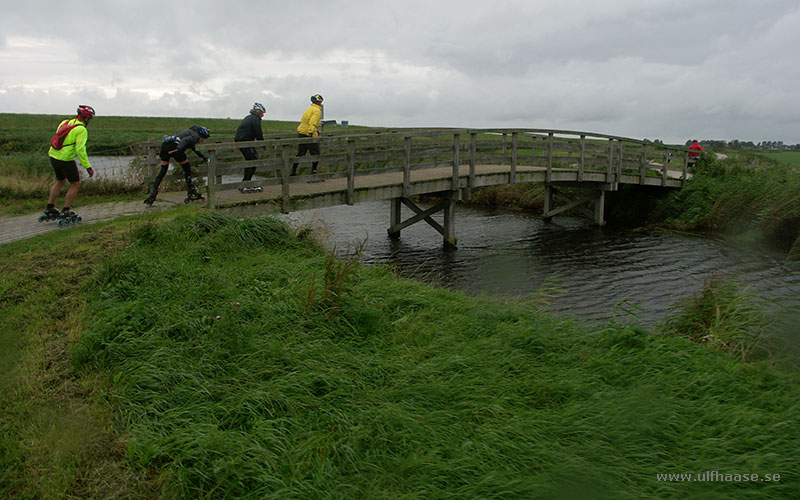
(333,191)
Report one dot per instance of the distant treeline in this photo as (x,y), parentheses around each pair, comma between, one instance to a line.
(737,144)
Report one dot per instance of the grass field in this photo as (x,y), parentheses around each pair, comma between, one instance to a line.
(193,355)
(109,135)
(785,157)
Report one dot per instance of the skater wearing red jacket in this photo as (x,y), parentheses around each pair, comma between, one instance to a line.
(694,153)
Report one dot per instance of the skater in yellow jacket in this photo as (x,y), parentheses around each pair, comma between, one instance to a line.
(309,127)
(68,143)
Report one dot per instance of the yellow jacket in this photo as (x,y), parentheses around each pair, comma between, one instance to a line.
(309,123)
(74,144)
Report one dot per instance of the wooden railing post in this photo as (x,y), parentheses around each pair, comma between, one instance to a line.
(512,178)
(684,175)
(351,171)
(619,163)
(643,167)
(549,174)
(456,160)
(473,148)
(610,167)
(664,168)
(406,166)
(285,170)
(212,179)
(505,136)
(582,163)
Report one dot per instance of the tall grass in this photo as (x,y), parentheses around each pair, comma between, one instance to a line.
(736,197)
(225,385)
(722,316)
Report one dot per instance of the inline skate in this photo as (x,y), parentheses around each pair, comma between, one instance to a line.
(193,194)
(50,214)
(68,217)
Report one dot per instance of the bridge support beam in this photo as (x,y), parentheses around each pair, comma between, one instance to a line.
(447,204)
(597,197)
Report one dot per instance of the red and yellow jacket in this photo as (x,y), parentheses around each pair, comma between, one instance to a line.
(74,144)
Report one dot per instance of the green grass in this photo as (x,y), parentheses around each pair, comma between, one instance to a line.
(113,135)
(738,198)
(206,357)
(785,157)
(722,316)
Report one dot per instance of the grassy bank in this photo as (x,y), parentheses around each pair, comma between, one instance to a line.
(198,356)
(737,197)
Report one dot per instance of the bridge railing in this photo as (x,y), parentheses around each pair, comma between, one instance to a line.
(355,154)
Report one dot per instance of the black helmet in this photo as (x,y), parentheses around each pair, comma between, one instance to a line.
(316,99)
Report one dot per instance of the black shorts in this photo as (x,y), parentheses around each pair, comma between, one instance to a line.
(65,170)
(165,155)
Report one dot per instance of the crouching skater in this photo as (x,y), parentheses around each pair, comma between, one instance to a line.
(175,146)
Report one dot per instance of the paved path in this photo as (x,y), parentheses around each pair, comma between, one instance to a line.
(25,226)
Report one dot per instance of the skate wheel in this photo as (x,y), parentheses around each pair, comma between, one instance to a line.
(42,218)
(79,219)
(60,223)
(186,200)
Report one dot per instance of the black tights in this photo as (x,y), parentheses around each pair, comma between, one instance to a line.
(187,174)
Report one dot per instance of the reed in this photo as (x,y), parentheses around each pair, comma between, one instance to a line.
(723,316)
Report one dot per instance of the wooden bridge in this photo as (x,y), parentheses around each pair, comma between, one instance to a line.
(359,165)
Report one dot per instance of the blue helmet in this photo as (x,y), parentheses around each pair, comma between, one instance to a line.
(204,133)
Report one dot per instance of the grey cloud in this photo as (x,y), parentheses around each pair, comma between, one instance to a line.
(644,68)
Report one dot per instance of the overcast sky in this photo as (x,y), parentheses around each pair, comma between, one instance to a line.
(670,70)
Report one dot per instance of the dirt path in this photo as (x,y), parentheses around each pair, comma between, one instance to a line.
(25,226)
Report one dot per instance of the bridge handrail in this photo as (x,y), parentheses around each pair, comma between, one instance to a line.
(410,149)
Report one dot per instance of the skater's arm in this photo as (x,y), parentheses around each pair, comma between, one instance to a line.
(80,146)
(259,134)
(201,155)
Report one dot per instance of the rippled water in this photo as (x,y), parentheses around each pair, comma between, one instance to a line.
(595,272)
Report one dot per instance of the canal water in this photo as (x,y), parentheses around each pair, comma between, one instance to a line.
(580,270)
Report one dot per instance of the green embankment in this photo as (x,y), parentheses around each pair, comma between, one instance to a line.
(197,356)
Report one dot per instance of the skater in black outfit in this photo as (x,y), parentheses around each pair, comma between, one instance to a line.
(175,146)
(250,130)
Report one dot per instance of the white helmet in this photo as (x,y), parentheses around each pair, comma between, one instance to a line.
(259,107)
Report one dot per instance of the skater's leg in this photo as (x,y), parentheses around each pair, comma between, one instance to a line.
(159,178)
(187,174)
(55,190)
(249,155)
(314,149)
(72,193)
(248,173)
